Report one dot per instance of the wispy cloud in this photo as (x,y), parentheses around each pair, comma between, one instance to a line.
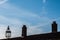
(3,1)
(16,17)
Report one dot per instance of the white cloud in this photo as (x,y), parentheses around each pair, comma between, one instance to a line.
(24,17)
(31,30)
(16,17)
(2,31)
(13,23)
(3,1)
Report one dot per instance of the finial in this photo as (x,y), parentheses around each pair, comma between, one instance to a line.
(8,28)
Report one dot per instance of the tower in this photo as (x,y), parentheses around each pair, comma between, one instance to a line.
(8,33)
(24,31)
(54,27)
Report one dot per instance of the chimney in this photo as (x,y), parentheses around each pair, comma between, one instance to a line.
(24,31)
(54,27)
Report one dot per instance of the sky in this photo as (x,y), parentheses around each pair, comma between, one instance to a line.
(37,15)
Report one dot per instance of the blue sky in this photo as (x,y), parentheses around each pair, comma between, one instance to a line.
(37,15)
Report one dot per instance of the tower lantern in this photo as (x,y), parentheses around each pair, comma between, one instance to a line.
(8,33)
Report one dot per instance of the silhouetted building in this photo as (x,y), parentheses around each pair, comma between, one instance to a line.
(54,27)
(54,35)
(8,33)
(24,31)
